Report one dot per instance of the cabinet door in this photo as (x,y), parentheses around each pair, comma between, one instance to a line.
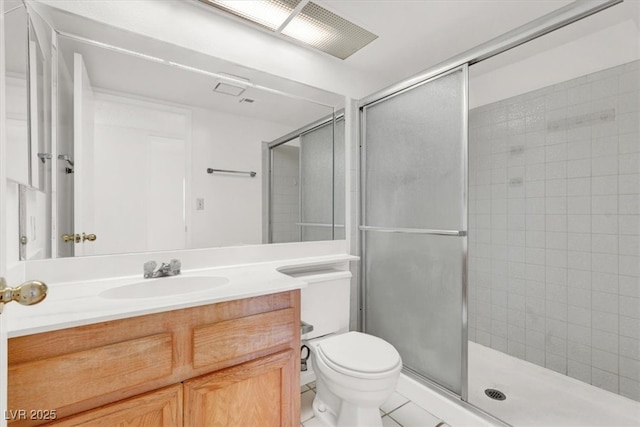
(160,408)
(256,393)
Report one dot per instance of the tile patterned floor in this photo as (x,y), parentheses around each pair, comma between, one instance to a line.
(397,411)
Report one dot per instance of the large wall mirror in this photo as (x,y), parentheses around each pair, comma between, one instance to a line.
(28,90)
(159,148)
(28,131)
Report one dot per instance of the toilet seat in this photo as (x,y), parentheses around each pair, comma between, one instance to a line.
(359,355)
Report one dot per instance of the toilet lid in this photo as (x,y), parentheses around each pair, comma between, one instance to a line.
(358,352)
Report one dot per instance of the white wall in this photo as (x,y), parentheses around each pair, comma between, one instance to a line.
(594,52)
(35,228)
(232,212)
(13,230)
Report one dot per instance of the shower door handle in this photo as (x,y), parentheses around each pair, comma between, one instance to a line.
(455,233)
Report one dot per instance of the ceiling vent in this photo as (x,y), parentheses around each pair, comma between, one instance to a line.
(229,89)
(303,21)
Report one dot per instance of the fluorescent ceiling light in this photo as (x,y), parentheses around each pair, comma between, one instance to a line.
(308,31)
(303,21)
(328,32)
(268,13)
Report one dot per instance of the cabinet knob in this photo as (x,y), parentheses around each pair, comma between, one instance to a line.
(28,293)
(89,237)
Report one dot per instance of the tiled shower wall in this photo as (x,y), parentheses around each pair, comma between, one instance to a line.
(554,220)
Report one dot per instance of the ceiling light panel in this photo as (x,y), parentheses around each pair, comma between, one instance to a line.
(328,32)
(268,13)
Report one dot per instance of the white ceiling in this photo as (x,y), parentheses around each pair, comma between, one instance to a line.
(416,35)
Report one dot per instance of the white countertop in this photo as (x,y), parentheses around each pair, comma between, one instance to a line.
(70,304)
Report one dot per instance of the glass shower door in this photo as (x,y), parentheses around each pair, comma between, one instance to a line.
(414,222)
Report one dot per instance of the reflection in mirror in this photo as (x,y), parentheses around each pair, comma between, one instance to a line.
(306,193)
(28,92)
(17,131)
(136,136)
(39,106)
(28,134)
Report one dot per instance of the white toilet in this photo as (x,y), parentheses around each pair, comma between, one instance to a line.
(355,374)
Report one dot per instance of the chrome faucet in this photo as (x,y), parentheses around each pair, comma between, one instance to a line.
(170,269)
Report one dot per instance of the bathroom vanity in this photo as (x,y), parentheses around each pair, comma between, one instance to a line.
(231,363)
(227,356)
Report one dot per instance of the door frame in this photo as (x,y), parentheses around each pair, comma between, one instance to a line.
(3,216)
(81,83)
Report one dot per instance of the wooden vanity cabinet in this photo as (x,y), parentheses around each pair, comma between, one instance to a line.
(228,364)
(157,408)
(249,394)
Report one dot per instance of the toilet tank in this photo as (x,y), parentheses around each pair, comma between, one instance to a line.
(325,301)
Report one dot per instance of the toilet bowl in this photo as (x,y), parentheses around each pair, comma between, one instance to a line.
(355,374)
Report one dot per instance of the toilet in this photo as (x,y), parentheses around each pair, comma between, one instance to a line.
(355,374)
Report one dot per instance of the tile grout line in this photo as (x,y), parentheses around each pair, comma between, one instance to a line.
(395,409)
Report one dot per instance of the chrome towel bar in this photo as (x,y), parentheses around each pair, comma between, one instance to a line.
(250,173)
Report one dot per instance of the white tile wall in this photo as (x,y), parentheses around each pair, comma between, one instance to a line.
(554,219)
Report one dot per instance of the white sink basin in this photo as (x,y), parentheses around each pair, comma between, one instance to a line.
(164,287)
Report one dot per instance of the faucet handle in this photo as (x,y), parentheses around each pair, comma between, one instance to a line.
(175,266)
(149,266)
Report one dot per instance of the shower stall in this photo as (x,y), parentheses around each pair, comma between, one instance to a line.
(500,220)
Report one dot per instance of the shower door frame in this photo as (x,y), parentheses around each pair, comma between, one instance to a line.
(539,27)
(363,228)
(331,118)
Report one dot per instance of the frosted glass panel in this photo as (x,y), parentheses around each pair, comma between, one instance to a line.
(285,192)
(316,161)
(307,188)
(312,233)
(322,182)
(414,157)
(414,169)
(338,181)
(414,301)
